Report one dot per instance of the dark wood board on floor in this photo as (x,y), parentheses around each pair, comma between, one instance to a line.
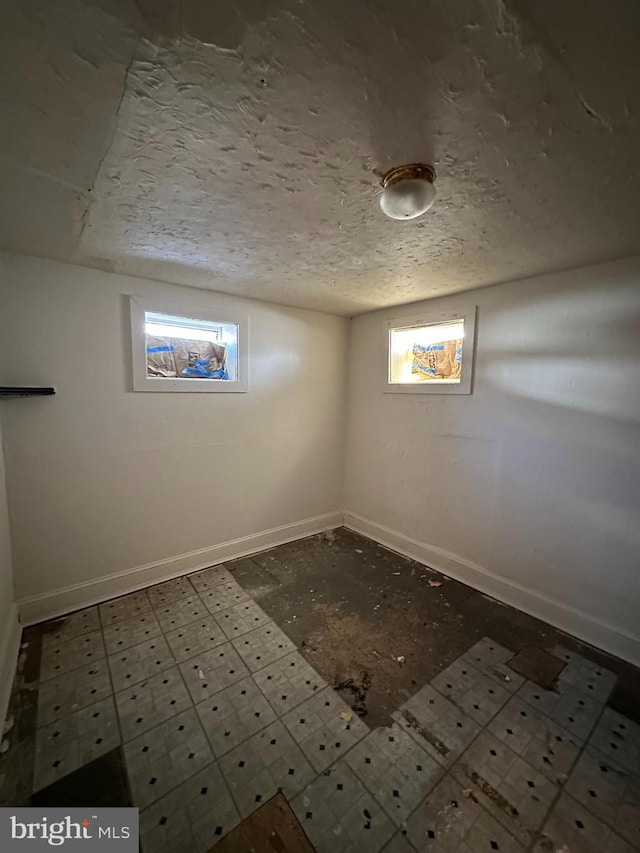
(273,828)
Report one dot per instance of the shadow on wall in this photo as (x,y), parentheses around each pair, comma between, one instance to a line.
(582,355)
(566,369)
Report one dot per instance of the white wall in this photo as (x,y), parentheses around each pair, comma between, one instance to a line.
(6,572)
(530,488)
(102,480)
(9,626)
(527,489)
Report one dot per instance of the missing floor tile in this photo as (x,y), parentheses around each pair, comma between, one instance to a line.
(273,826)
(538,666)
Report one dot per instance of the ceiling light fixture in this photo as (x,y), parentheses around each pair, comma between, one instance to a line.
(408,191)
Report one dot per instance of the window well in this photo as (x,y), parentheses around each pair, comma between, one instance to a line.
(431,354)
(181,348)
(186,348)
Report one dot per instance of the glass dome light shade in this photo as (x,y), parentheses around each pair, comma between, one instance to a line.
(408,191)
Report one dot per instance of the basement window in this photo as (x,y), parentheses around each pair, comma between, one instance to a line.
(176,348)
(431,353)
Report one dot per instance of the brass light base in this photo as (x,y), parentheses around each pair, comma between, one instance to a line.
(412,170)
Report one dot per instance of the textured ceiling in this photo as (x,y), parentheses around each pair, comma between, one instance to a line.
(238,146)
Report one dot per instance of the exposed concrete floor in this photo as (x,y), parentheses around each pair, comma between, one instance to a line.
(351,606)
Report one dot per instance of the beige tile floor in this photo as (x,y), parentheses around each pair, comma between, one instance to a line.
(215,710)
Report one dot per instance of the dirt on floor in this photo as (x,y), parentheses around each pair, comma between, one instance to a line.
(377,626)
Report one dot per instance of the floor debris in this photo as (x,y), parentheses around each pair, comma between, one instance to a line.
(357,688)
(340,647)
(413,721)
(434,583)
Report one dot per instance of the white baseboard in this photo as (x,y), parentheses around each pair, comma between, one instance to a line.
(9,648)
(49,605)
(581,625)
